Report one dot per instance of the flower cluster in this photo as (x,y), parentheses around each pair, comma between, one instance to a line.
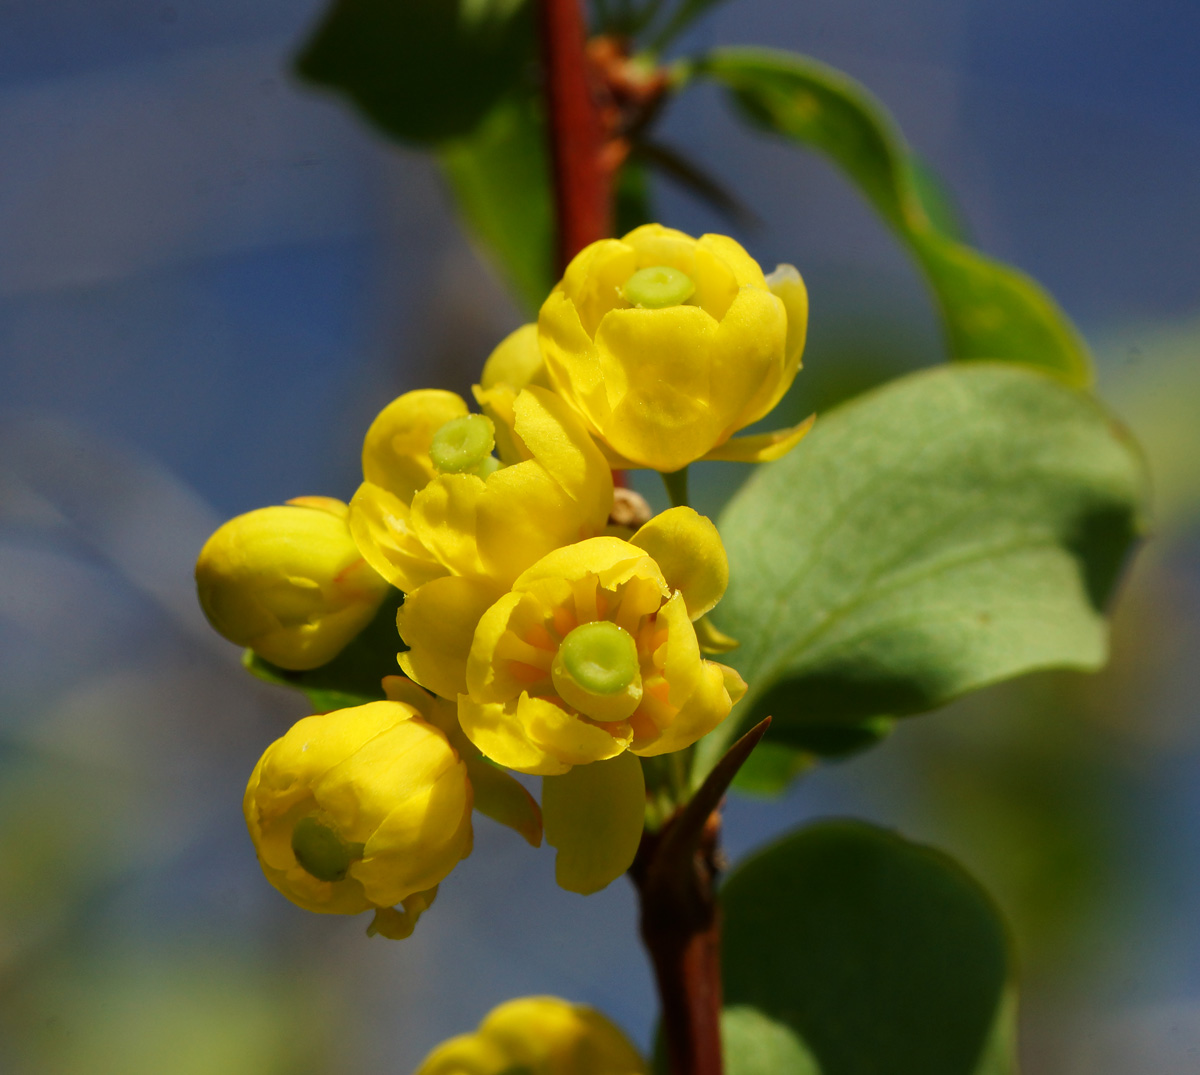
(542,633)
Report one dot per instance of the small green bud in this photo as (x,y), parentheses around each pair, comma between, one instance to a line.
(658,286)
(600,657)
(321,851)
(463,445)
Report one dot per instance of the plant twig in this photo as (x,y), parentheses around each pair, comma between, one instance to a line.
(583,181)
(675,873)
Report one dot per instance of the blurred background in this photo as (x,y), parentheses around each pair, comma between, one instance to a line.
(211,278)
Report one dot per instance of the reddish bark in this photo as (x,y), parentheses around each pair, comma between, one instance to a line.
(583,179)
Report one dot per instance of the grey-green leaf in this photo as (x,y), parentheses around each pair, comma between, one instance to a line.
(990,310)
(422,70)
(501,180)
(864,953)
(956,527)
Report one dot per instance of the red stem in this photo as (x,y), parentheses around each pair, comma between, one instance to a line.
(582,179)
(681,928)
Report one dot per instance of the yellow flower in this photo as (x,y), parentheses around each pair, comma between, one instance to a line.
(361,809)
(289,582)
(436,503)
(593,653)
(668,345)
(538,1036)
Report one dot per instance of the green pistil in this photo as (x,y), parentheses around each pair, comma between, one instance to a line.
(658,286)
(321,851)
(463,444)
(600,657)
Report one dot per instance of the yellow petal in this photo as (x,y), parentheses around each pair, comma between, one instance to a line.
(708,704)
(381,525)
(682,665)
(444,519)
(503,799)
(594,817)
(561,444)
(396,448)
(522,514)
(744,268)
(395,924)
(396,765)
(420,841)
(612,560)
(571,359)
(594,278)
(497,404)
(489,675)
(437,623)
(788,285)
(748,358)
(516,361)
(328,504)
(762,447)
(496,729)
(657,373)
(688,549)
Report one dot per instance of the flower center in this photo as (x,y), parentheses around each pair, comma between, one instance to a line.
(321,851)
(600,657)
(658,286)
(463,444)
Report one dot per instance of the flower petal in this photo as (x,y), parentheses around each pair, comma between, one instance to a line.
(656,366)
(503,799)
(497,731)
(516,361)
(609,558)
(396,448)
(788,285)
(748,359)
(522,514)
(688,549)
(381,526)
(762,447)
(571,358)
(437,622)
(420,841)
(444,519)
(594,816)
(707,705)
(560,443)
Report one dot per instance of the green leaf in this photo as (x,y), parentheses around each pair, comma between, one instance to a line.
(500,177)
(954,528)
(354,675)
(991,311)
(871,953)
(753,1043)
(421,70)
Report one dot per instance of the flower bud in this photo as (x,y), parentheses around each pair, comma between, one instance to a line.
(542,1035)
(361,809)
(289,582)
(668,345)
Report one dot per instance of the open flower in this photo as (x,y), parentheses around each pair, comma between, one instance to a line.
(668,345)
(593,651)
(590,658)
(538,1036)
(361,809)
(437,503)
(289,582)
